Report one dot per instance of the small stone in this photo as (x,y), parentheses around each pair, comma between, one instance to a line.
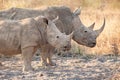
(23,76)
(41,75)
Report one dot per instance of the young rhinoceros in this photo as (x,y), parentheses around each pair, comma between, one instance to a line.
(27,35)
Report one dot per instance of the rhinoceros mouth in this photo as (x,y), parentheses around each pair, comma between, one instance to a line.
(86,43)
(66,48)
(91,45)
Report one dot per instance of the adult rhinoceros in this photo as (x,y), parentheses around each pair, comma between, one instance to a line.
(68,21)
(27,35)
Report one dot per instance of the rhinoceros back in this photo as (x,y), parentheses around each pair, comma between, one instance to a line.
(10,38)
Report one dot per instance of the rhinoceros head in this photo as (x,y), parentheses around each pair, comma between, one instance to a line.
(56,38)
(85,35)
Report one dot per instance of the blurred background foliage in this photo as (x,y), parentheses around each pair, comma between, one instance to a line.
(114,4)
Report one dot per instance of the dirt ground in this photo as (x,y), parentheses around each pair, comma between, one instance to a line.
(68,68)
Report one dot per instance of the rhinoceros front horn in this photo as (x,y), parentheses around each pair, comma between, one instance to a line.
(101,29)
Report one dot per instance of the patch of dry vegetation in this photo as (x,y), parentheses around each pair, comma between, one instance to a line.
(92,10)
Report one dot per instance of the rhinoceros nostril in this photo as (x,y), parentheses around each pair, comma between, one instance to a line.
(94,43)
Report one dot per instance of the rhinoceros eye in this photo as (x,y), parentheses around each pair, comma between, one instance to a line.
(85,31)
(57,36)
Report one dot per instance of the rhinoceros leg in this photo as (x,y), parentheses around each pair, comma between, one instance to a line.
(27,54)
(49,57)
(46,56)
(43,58)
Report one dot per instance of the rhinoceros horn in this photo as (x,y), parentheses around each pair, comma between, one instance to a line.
(92,26)
(101,29)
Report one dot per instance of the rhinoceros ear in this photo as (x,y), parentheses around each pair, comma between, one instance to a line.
(77,12)
(51,24)
(54,20)
(48,28)
(45,20)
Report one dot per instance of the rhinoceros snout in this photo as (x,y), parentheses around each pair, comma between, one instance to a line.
(66,48)
(93,44)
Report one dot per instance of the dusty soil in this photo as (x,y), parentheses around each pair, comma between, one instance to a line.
(68,68)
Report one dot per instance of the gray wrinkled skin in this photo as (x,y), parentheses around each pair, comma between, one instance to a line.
(68,21)
(27,35)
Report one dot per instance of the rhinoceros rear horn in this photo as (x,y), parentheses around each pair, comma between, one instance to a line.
(92,26)
(77,11)
(101,29)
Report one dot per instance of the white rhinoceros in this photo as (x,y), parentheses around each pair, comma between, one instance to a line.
(27,35)
(68,22)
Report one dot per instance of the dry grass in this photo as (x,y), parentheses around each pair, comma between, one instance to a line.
(92,10)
